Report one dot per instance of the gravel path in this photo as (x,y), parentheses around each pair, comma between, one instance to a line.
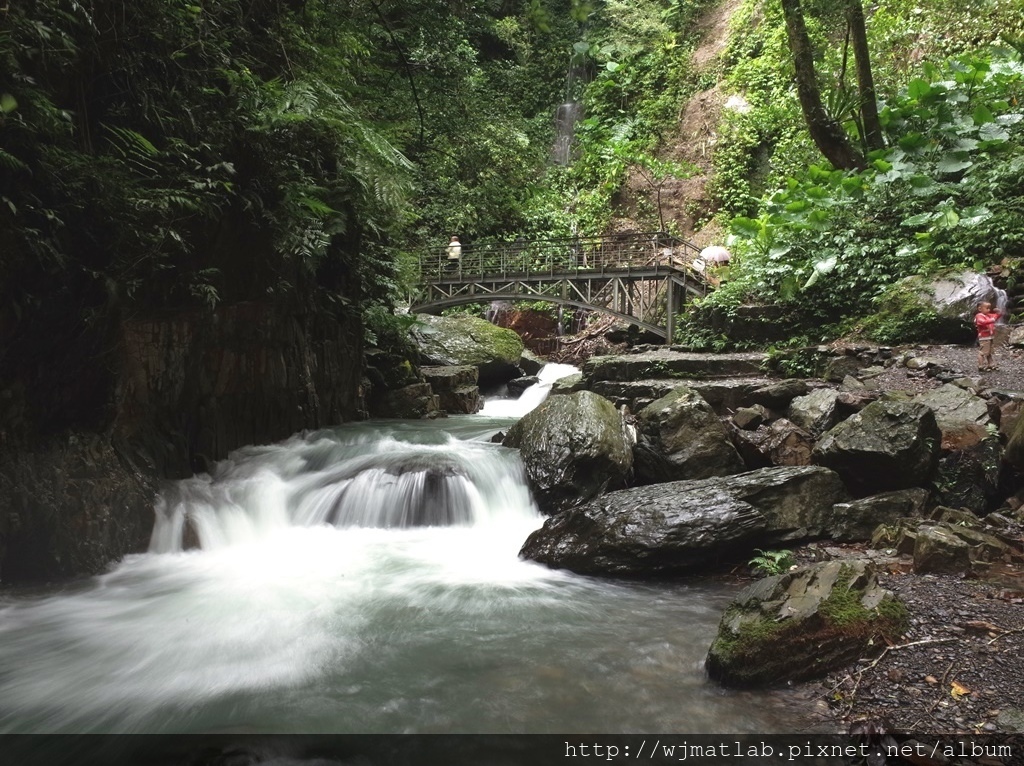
(960,668)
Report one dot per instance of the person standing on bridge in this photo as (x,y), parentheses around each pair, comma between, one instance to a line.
(454,251)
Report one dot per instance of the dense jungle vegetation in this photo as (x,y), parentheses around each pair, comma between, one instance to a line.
(188,154)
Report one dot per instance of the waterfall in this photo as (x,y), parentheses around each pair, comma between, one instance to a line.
(339,479)
(532,396)
(566,117)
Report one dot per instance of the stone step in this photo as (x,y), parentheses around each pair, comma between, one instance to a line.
(723,394)
(672,364)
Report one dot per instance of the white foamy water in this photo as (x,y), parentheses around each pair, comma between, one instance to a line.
(531,397)
(362,579)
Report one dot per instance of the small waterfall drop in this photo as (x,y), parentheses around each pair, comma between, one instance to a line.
(340,479)
(532,396)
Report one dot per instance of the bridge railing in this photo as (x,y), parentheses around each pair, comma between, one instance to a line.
(577,255)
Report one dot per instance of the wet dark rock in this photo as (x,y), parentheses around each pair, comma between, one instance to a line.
(815,412)
(455,386)
(408,402)
(574,447)
(969,477)
(858,519)
(777,396)
(781,443)
(685,525)
(567,385)
(517,386)
(70,506)
(679,437)
(889,445)
(750,418)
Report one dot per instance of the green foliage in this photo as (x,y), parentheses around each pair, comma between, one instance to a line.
(769,563)
(941,195)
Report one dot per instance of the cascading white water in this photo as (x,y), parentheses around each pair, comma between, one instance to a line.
(362,579)
(532,396)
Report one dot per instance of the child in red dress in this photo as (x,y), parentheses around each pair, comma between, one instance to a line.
(985,322)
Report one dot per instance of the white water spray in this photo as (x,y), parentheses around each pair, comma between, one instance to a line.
(532,396)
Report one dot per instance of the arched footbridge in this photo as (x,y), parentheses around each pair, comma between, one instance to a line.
(642,278)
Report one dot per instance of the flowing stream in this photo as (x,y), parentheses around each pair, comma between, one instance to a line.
(364,579)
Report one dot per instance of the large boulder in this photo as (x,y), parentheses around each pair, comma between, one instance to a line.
(461,340)
(680,437)
(779,394)
(815,412)
(1014,452)
(934,308)
(957,543)
(409,402)
(962,416)
(969,478)
(802,624)
(685,525)
(455,386)
(574,447)
(890,444)
(858,519)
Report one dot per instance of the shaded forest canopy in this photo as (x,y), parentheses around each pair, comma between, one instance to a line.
(161,155)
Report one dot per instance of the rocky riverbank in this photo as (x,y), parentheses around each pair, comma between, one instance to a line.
(893,421)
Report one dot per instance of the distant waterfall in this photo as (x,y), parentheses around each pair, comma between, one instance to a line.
(566,117)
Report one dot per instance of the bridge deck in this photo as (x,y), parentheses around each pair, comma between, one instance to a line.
(633,276)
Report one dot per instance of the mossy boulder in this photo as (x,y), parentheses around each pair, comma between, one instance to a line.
(574,447)
(933,309)
(462,340)
(803,624)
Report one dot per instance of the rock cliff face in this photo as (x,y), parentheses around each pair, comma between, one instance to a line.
(185,389)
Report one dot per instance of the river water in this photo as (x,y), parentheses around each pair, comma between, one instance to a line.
(364,579)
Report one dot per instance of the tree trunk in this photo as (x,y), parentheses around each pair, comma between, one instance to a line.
(827,134)
(865,81)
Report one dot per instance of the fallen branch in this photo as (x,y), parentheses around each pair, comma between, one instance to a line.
(1003,634)
(860,673)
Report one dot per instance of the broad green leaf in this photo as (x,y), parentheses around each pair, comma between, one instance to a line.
(948,218)
(881,165)
(982,115)
(922,185)
(993,132)
(918,220)
(852,185)
(952,165)
(747,228)
(974,215)
(913,142)
(918,89)
(8,103)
